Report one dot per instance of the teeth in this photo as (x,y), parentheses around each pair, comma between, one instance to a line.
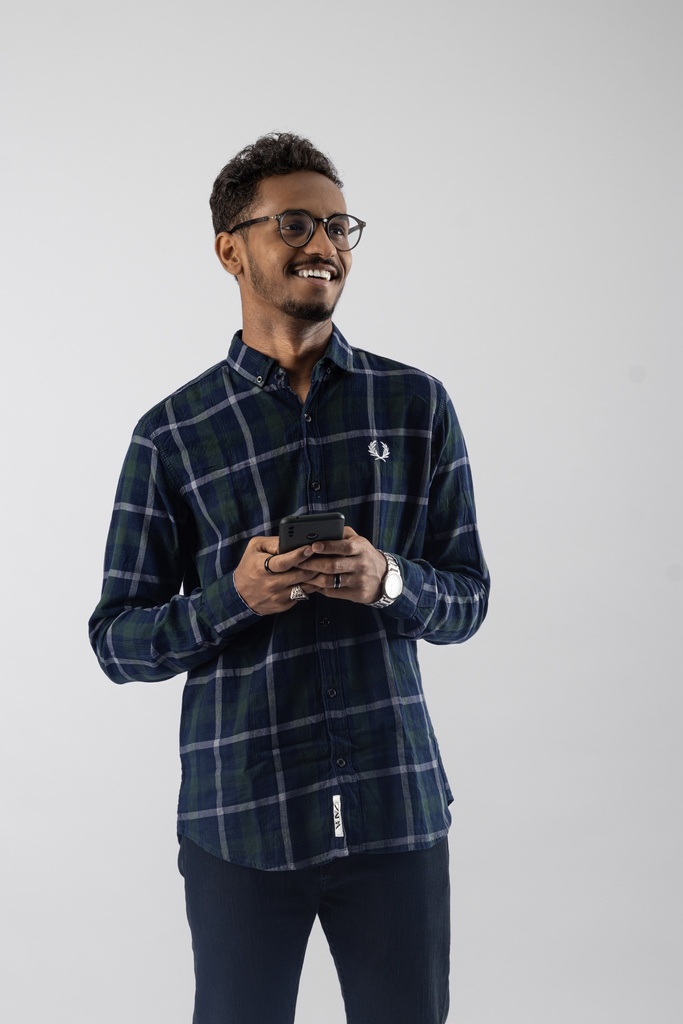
(325,274)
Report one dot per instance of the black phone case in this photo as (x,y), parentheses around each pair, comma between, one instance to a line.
(297,531)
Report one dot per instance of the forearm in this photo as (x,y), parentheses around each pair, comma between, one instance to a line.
(133,641)
(437,605)
(446,589)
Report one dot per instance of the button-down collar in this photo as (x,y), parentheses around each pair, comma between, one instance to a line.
(257,366)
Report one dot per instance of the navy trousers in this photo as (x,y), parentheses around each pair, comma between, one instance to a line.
(386,917)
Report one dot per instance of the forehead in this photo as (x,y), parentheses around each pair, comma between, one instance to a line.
(302,190)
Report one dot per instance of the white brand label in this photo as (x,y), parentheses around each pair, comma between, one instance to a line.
(336,814)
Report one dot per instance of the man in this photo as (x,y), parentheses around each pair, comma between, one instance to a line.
(312,783)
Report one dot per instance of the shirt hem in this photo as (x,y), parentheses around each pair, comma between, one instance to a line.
(400,845)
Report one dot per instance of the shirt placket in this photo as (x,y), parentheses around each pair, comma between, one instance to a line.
(344,806)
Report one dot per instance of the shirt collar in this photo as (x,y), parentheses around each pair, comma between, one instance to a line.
(257,367)
(249,362)
(339,351)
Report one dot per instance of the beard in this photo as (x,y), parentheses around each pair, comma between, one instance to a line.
(313,312)
(316,312)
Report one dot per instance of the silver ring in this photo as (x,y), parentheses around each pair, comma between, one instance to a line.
(337,581)
(265,566)
(297,594)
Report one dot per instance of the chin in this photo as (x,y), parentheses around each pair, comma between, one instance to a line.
(313,311)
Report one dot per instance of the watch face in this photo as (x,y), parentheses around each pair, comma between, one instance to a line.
(393,585)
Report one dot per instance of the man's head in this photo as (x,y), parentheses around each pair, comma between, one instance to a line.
(235,188)
(282,267)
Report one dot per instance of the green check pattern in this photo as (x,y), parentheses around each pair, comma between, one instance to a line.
(281,713)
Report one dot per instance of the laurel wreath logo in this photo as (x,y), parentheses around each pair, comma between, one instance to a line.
(374,451)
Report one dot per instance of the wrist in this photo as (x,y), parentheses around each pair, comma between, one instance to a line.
(392,583)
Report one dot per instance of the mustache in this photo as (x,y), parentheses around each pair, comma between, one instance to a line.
(316,261)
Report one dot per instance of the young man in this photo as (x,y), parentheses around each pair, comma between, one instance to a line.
(312,783)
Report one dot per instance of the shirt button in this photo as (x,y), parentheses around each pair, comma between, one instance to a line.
(324,622)
(315,484)
(328,371)
(341,763)
(307,418)
(331,693)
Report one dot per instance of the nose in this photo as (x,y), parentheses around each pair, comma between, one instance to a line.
(320,243)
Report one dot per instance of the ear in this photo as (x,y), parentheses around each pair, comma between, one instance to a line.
(228,251)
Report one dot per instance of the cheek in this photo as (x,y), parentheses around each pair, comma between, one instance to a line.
(260,270)
(347,261)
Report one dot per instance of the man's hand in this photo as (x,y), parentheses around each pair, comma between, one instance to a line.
(353,563)
(269,592)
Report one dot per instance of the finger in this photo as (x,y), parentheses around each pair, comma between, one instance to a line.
(331,565)
(327,581)
(349,548)
(345,546)
(295,576)
(343,594)
(292,559)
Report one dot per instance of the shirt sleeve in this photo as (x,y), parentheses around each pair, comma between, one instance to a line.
(446,590)
(143,628)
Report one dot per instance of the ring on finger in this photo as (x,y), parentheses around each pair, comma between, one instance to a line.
(266,566)
(337,581)
(296,593)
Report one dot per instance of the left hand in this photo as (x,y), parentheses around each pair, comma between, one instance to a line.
(360,566)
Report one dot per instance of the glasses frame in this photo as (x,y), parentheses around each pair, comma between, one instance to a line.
(316,220)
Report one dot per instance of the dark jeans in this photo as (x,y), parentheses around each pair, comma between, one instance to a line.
(386,917)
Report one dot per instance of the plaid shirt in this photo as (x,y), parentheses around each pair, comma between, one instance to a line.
(304,735)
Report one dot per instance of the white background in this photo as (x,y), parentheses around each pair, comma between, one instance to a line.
(519,166)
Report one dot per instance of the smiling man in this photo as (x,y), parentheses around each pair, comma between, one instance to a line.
(312,784)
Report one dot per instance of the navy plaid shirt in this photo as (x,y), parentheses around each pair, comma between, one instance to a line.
(304,735)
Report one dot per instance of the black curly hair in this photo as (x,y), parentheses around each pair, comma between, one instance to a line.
(235,187)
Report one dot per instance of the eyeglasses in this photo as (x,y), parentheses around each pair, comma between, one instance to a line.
(297,228)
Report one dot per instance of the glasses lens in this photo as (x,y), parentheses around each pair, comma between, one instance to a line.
(296,228)
(345,232)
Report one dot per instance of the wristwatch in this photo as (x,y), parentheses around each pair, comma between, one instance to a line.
(392,583)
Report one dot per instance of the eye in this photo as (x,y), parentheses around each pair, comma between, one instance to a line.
(295,225)
(338,228)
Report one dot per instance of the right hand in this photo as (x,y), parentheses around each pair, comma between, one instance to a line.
(267,593)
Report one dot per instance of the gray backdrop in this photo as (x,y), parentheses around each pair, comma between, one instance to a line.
(519,167)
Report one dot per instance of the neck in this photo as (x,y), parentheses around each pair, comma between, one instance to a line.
(296,345)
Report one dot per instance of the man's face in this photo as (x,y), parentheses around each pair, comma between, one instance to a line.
(272,276)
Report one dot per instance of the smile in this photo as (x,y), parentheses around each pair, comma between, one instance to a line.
(324,274)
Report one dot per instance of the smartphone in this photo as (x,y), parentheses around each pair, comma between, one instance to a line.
(297,531)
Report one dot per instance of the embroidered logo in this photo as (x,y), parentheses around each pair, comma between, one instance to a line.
(374,450)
